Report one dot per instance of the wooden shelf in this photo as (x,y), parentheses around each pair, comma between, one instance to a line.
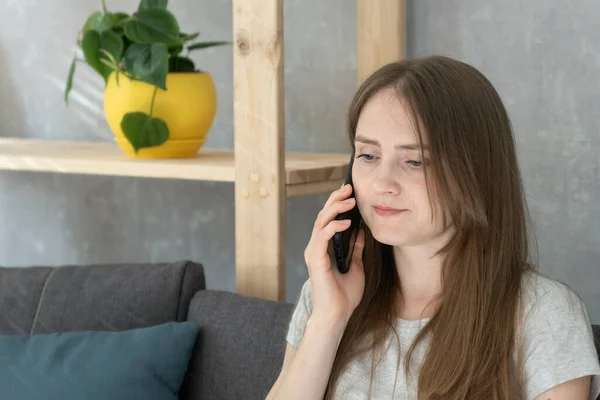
(305,173)
(264,175)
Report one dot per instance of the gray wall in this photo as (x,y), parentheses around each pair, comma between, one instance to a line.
(543,56)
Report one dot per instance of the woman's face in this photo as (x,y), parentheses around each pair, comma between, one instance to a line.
(388,175)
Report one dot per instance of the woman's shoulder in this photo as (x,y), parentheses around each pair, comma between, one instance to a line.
(542,294)
(557,338)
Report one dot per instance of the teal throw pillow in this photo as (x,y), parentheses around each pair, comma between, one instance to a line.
(147,363)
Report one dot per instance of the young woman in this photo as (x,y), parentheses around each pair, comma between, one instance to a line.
(441,300)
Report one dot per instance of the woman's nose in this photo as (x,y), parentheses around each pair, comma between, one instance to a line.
(386,182)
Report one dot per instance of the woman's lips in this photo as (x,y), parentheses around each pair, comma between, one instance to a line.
(387,211)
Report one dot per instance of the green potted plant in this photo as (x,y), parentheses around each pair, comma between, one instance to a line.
(156,102)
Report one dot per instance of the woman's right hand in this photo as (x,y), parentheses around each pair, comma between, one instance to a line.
(335,295)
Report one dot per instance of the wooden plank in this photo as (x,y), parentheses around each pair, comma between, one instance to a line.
(105,158)
(259,148)
(307,189)
(381,34)
(315,167)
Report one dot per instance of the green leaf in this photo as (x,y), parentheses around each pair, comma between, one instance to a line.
(143,130)
(181,64)
(145,4)
(91,45)
(112,42)
(117,19)
(69,84)
(149,63)
(175,50)
(153,25)
(203,45)
(134,52)
(109,61)
(126,42)
(92,22)
(185,37)
(97,22)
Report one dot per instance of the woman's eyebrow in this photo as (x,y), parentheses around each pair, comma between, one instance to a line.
(410,146)
(365,140)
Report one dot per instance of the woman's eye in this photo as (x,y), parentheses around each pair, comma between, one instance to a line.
(415,163)
(367,157)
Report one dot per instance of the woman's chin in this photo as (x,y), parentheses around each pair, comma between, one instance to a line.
(390,238)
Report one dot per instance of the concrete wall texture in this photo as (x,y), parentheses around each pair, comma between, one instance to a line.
(543,56)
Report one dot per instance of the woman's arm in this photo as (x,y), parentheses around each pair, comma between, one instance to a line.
(576,389)
(308,373)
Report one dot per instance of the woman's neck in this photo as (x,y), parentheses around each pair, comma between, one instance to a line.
(420,283)
(420,275)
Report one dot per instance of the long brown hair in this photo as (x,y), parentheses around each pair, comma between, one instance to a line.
(473,171)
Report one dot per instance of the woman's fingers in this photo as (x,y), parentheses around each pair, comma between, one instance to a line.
(326,234)
(329,213)
(317,250)
(340,194)
(326,226)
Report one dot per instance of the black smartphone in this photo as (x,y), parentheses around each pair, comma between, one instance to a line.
(341,240)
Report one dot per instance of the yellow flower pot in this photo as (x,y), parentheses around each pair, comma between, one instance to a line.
(188,107)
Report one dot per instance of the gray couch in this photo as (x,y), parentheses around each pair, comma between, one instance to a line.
(240,345)
(241,342)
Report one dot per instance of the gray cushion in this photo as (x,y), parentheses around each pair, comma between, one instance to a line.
(240,346)
(96,297)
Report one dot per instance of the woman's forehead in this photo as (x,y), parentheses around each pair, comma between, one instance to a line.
(386,117)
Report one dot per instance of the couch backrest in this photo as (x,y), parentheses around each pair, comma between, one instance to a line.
(96,297)
(240,346)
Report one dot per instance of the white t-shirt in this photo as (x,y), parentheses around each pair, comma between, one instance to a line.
(557,339)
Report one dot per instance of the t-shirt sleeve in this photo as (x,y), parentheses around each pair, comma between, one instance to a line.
(558,343)
(300,315)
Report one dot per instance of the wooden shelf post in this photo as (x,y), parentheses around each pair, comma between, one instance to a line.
(260,197)
(381,34)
